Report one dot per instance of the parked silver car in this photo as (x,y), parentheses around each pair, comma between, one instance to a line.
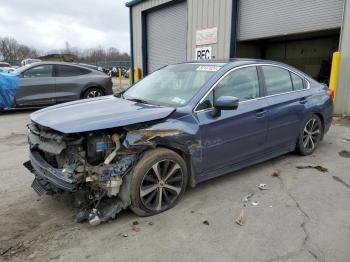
(47,83)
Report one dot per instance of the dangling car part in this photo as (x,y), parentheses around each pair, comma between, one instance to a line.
(181,125)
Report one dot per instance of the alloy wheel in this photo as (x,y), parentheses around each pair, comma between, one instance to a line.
(311,134)
(93,93)
(161,185)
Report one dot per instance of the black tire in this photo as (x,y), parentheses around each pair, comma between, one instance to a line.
(144,178)
(93,92)
(310,136)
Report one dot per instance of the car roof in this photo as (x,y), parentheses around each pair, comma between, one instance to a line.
(235,62)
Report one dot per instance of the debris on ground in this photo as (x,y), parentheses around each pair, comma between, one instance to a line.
(150,223)
(240,219)
(319,168)
(338,179)
(344,153)
(247,198)
(123,235)
(206,222)
(12,250)
(135,229)
(255,203)
(276,174)
(135,223)
(345,140)
(263,187)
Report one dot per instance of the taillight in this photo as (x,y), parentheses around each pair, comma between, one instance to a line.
(330,93)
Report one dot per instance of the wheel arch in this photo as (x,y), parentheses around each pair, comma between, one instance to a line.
(186,156)
(92,85)
(182,151)
(319,114)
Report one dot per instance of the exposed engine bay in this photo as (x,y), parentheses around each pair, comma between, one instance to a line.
(94,166)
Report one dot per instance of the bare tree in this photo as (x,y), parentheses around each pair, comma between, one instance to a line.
(11,50)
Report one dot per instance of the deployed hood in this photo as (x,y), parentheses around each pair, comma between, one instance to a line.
(97,113)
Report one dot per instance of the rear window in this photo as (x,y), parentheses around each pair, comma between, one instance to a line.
(298,82)
(65,71)
(277,80)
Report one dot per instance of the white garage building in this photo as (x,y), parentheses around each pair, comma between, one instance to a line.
(302,33)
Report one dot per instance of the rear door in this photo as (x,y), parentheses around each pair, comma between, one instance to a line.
(70,81)
(37,86)
(286,99)
(236,136)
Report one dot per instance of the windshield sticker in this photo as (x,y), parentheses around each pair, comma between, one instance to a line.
(179,100)
(208,68)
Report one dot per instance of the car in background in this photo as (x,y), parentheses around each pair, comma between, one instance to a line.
(29,61)
(4,64)
(48,83)
(181,125)
(98,68)
(7,70)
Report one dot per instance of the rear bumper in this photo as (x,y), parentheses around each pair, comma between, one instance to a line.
(48,179)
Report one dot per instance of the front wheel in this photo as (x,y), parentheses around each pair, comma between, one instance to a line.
(93,92)
(158,182)
(310,136)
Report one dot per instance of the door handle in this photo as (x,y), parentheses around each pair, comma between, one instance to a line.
(302,100)
(260,113)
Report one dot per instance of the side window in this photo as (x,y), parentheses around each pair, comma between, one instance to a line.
(207,102)
(39,71)
(65,71)
(298,83)
(241,83)
(277,80)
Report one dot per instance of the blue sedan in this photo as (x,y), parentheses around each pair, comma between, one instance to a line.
(179,126)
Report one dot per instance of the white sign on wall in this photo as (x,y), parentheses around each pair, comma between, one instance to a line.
(203,53)
(207,36)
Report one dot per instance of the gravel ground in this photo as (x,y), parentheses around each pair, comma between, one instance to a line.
(303,216)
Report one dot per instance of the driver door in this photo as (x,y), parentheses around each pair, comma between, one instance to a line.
(236,136)
(37,87)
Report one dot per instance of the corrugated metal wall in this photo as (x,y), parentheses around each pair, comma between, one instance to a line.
(202,14)
(268,18)
(166,36)
(137,27)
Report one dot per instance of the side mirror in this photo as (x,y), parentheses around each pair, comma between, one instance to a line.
(225,103)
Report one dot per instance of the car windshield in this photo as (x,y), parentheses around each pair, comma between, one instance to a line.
(174,85)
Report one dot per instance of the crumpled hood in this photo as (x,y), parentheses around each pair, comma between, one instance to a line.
(97,113)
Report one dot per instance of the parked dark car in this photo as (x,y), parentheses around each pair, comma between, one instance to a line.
(4,64)
(48,83)
(181,125)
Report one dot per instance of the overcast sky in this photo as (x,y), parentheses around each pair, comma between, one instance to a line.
(48,24)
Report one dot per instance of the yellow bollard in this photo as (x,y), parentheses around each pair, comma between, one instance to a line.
(137,74)
(333,81)
(120,77)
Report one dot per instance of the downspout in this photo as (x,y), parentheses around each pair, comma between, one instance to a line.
(132,76)
(234,22)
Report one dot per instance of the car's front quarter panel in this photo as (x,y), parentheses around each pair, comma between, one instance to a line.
(179,134)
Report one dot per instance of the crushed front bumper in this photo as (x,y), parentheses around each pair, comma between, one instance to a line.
(48,180)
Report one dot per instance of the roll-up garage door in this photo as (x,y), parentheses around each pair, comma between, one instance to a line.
(166,36)
(268,18)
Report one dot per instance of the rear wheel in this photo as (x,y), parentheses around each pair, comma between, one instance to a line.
(310,136)
(159,181)
(93,92)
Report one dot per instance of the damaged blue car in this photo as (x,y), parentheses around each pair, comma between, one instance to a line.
(179,126)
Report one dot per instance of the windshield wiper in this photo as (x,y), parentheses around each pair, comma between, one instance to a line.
(137,100)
